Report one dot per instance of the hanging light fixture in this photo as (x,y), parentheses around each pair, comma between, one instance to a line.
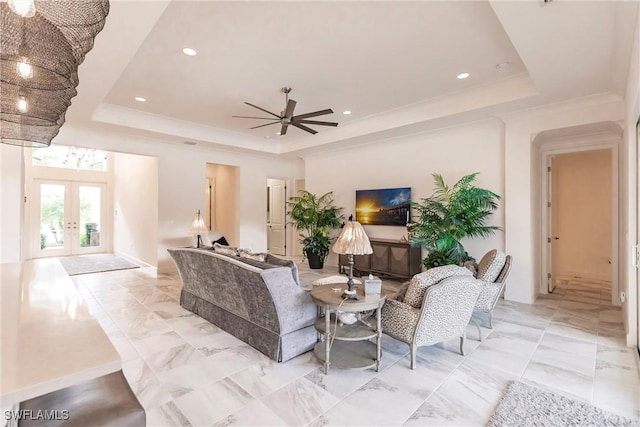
(22,104)
(41,46)
(24,8)
(24,69)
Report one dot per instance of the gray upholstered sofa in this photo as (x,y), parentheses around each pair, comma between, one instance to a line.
(260,303)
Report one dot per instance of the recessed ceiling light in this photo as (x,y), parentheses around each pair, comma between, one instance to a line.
(277,133)
(503,65)
(189,143)
(140,99)
(463,75)
(347,112)
(189,51)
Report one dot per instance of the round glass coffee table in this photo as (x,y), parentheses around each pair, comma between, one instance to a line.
(346,346)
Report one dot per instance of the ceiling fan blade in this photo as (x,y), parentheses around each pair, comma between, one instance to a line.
(315,122)
(303,127)
(289,110)
(251,117)
(262,109)
(314,114)
(283,130)
(268,124)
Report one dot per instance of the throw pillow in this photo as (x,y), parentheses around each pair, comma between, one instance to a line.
(225,250)
(490,265)
(401,291)
(421,281)
(222,241)
(246,253)
(255,263)
(472,266)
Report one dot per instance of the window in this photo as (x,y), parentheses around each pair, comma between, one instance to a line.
(62,156)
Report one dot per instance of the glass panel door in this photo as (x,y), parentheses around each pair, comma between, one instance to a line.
(53,221)
(90,205)
(68,218)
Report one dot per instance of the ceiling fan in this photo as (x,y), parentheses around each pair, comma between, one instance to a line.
(286,117)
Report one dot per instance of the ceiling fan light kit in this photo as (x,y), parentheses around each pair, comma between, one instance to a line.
(286,117)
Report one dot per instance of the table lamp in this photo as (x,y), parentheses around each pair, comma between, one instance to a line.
(352,241)
(198,228)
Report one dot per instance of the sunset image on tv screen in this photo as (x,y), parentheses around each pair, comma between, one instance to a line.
(389,206)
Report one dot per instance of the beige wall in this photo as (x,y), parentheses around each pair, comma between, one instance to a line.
(630,217)
(11,202)
(409,162)
(501,150)
(582,186)
(135,207)
(522,180)
(181,183)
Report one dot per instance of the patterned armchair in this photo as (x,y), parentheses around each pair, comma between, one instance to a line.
(445,298)
(493,270)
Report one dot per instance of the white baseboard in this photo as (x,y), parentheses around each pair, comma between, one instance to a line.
(133,260)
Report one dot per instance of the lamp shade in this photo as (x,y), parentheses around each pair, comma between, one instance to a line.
(353,240)
(198,226)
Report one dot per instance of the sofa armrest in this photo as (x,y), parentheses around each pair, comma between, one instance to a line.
(294,306)
(274,260)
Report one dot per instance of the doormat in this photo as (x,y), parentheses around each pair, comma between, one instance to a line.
(523,405)
(97,263)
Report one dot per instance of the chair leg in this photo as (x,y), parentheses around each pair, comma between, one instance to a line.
(413,355)
(475,322)
(462,337)
(491,319)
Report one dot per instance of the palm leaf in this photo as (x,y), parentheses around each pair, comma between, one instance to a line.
(449,215)
(314,217)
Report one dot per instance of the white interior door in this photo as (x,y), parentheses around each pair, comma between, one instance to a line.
(68,218)
(276,216)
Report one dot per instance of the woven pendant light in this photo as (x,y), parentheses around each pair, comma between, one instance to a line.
(39,59)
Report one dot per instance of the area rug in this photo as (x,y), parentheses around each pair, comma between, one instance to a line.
(525,405)
(97,263)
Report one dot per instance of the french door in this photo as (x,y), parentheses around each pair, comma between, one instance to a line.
(67,218)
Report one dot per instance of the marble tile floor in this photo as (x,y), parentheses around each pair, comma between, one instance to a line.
(187,372)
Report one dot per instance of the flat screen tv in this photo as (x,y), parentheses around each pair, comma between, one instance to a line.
(387,206)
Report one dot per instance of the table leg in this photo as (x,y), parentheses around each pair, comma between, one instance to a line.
(327,338)
(379,337)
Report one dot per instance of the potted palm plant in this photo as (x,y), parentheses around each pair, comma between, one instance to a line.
(448,216)
(314,217)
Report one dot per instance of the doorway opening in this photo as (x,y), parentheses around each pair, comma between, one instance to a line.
(68,202)
(221,214)
(87,201)
(579,204)
(580,221)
